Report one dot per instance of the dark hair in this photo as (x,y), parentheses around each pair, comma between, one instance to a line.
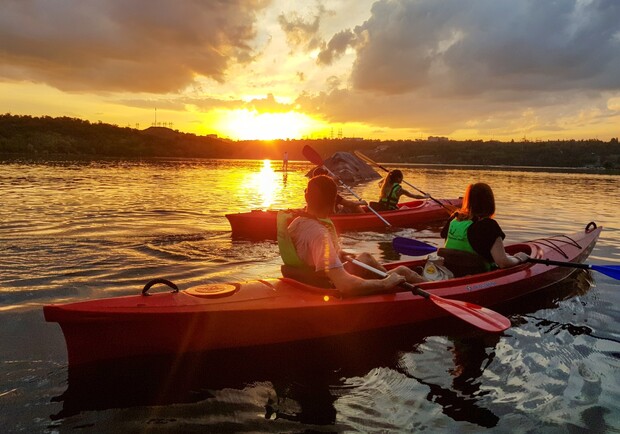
(321,192)
(478,202)
(394,175)
(319,170)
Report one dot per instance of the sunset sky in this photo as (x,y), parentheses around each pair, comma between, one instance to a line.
(380,69)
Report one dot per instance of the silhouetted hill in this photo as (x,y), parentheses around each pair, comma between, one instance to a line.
(43,137)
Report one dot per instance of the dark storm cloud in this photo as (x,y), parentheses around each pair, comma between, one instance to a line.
(444,65)
(472,47)
(116,45)
(336,47)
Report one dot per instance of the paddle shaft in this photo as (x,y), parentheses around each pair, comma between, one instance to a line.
(356,196)
(370,160)
(612,271)
(560,263)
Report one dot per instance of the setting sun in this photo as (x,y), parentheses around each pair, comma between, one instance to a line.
(252,125)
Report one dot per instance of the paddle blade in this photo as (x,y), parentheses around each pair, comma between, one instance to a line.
(411,247)
(478,316)
(311,155)
(612,271)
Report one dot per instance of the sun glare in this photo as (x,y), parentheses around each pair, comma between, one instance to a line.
(251,125)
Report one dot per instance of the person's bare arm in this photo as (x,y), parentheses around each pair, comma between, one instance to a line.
(413,195)
(350,285)
(503,259)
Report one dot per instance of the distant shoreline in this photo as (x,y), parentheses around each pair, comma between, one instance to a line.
(46,138)
(508,168)
(29,158)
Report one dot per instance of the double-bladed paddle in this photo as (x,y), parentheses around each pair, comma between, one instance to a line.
(314,157)
(478,316)
(450,209)
(411,247)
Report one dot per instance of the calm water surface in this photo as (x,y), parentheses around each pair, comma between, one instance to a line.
(73,231)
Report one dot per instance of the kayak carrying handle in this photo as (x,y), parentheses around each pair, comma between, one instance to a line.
(150,283)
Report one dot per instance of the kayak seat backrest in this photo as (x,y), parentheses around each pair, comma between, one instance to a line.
(285,243)
(306,276)
(462,263)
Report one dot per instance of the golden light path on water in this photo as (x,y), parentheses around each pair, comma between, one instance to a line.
(264,183)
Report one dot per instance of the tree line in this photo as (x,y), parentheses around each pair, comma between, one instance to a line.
(46,137)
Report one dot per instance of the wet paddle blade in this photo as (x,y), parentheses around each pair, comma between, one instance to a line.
(478,316)
(612,271)
(411,247)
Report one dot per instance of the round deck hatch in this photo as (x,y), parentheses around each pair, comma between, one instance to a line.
(213,290)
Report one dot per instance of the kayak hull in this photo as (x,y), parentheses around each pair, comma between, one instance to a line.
(258,224)
(273,311)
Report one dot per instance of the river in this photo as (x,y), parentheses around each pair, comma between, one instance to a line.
(78,230)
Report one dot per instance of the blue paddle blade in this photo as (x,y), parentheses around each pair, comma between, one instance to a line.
(612,271)
(411,247)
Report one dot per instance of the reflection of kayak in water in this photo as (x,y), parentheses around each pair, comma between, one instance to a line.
(260,224)
(271,311)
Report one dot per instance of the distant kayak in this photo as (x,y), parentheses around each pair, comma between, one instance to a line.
(271,311)
(258,224)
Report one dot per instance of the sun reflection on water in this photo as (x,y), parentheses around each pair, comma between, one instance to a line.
(265,184)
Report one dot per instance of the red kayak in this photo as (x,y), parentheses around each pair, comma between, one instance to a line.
(263,312)
(258,224)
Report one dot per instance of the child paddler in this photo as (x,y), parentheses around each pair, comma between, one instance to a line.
(392,190)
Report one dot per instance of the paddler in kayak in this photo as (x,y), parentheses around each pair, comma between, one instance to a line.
(343,206)
(310,248)
(391,191)
(473,230)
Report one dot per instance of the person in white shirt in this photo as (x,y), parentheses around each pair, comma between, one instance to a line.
(317,245)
